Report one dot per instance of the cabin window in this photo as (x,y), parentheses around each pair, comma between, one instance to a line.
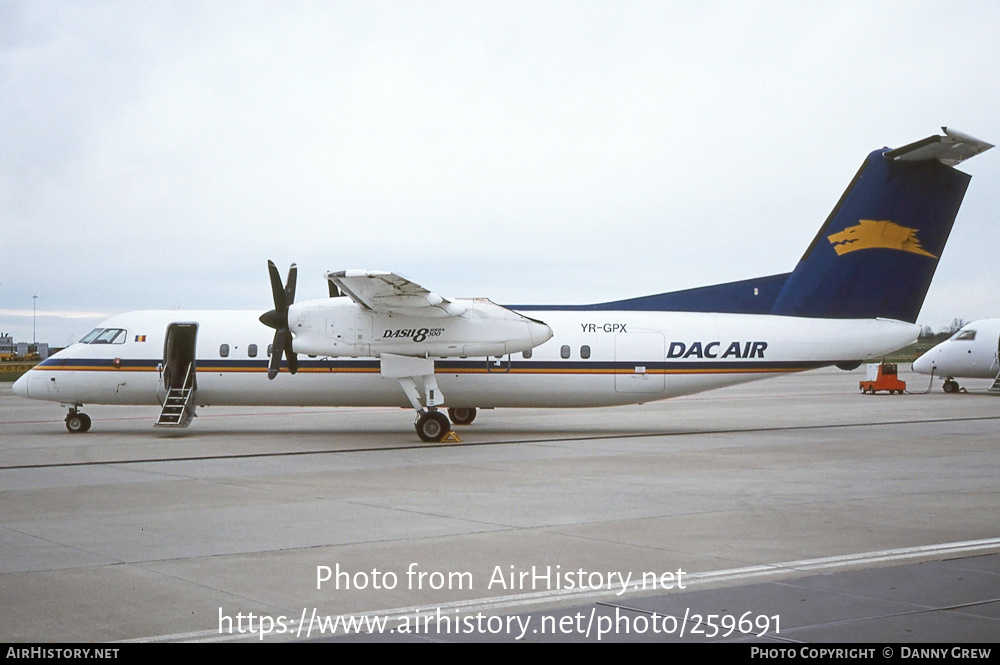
(564,351)
(964,336)
(224,350)
(527,354)
(585,351)
(252,350)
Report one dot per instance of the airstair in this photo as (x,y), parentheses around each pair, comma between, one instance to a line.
(178,405)
(995,388)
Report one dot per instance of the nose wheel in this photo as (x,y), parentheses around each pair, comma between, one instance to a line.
(432,426)
(77,422)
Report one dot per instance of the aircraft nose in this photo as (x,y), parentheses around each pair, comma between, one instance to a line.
(20,386)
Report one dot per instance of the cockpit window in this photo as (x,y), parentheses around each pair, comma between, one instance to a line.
(964,336)
(104,336)
(89,337)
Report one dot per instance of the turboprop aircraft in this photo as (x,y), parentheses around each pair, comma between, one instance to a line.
(971,353)
(383,340)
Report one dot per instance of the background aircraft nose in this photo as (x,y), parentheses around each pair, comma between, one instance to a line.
(20,386)
(924,364)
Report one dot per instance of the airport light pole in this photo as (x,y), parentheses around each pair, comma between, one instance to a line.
(34,317)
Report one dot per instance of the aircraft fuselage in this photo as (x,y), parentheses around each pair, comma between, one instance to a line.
(970,353)
(595,358)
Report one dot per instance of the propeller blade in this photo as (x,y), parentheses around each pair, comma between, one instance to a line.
(280,341)
(277,291)
(277,318)
(290,356)
(293,272)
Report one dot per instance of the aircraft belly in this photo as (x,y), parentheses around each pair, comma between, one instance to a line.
(302,389)
(479,390)
(576,390)
(526,391)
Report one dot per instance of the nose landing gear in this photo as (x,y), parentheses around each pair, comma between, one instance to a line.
(77,422)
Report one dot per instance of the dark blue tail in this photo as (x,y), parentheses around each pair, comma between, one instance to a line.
(877,252)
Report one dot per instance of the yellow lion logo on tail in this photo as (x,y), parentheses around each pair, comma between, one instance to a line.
(870,233)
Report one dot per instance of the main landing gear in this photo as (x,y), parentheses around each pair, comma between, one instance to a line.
(432,426)
(77,422)
(462,415)
(416,378)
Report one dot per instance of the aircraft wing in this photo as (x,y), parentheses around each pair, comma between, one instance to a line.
(951,149)
(388,293)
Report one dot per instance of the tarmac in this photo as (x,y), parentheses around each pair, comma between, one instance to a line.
(786,511)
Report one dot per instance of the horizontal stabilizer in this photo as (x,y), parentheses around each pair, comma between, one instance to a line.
(951,149)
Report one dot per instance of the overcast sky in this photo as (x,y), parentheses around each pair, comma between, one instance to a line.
(156,154)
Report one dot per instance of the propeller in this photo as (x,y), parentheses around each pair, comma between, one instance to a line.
(277,318)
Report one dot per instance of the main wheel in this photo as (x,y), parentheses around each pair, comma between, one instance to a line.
(462,415)
(77,423)
(432,426)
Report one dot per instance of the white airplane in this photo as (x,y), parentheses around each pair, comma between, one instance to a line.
(382,340)
(971,353)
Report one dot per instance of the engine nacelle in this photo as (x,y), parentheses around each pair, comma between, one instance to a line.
(339,327)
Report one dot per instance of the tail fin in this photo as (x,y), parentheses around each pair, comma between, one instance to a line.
(877,252)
